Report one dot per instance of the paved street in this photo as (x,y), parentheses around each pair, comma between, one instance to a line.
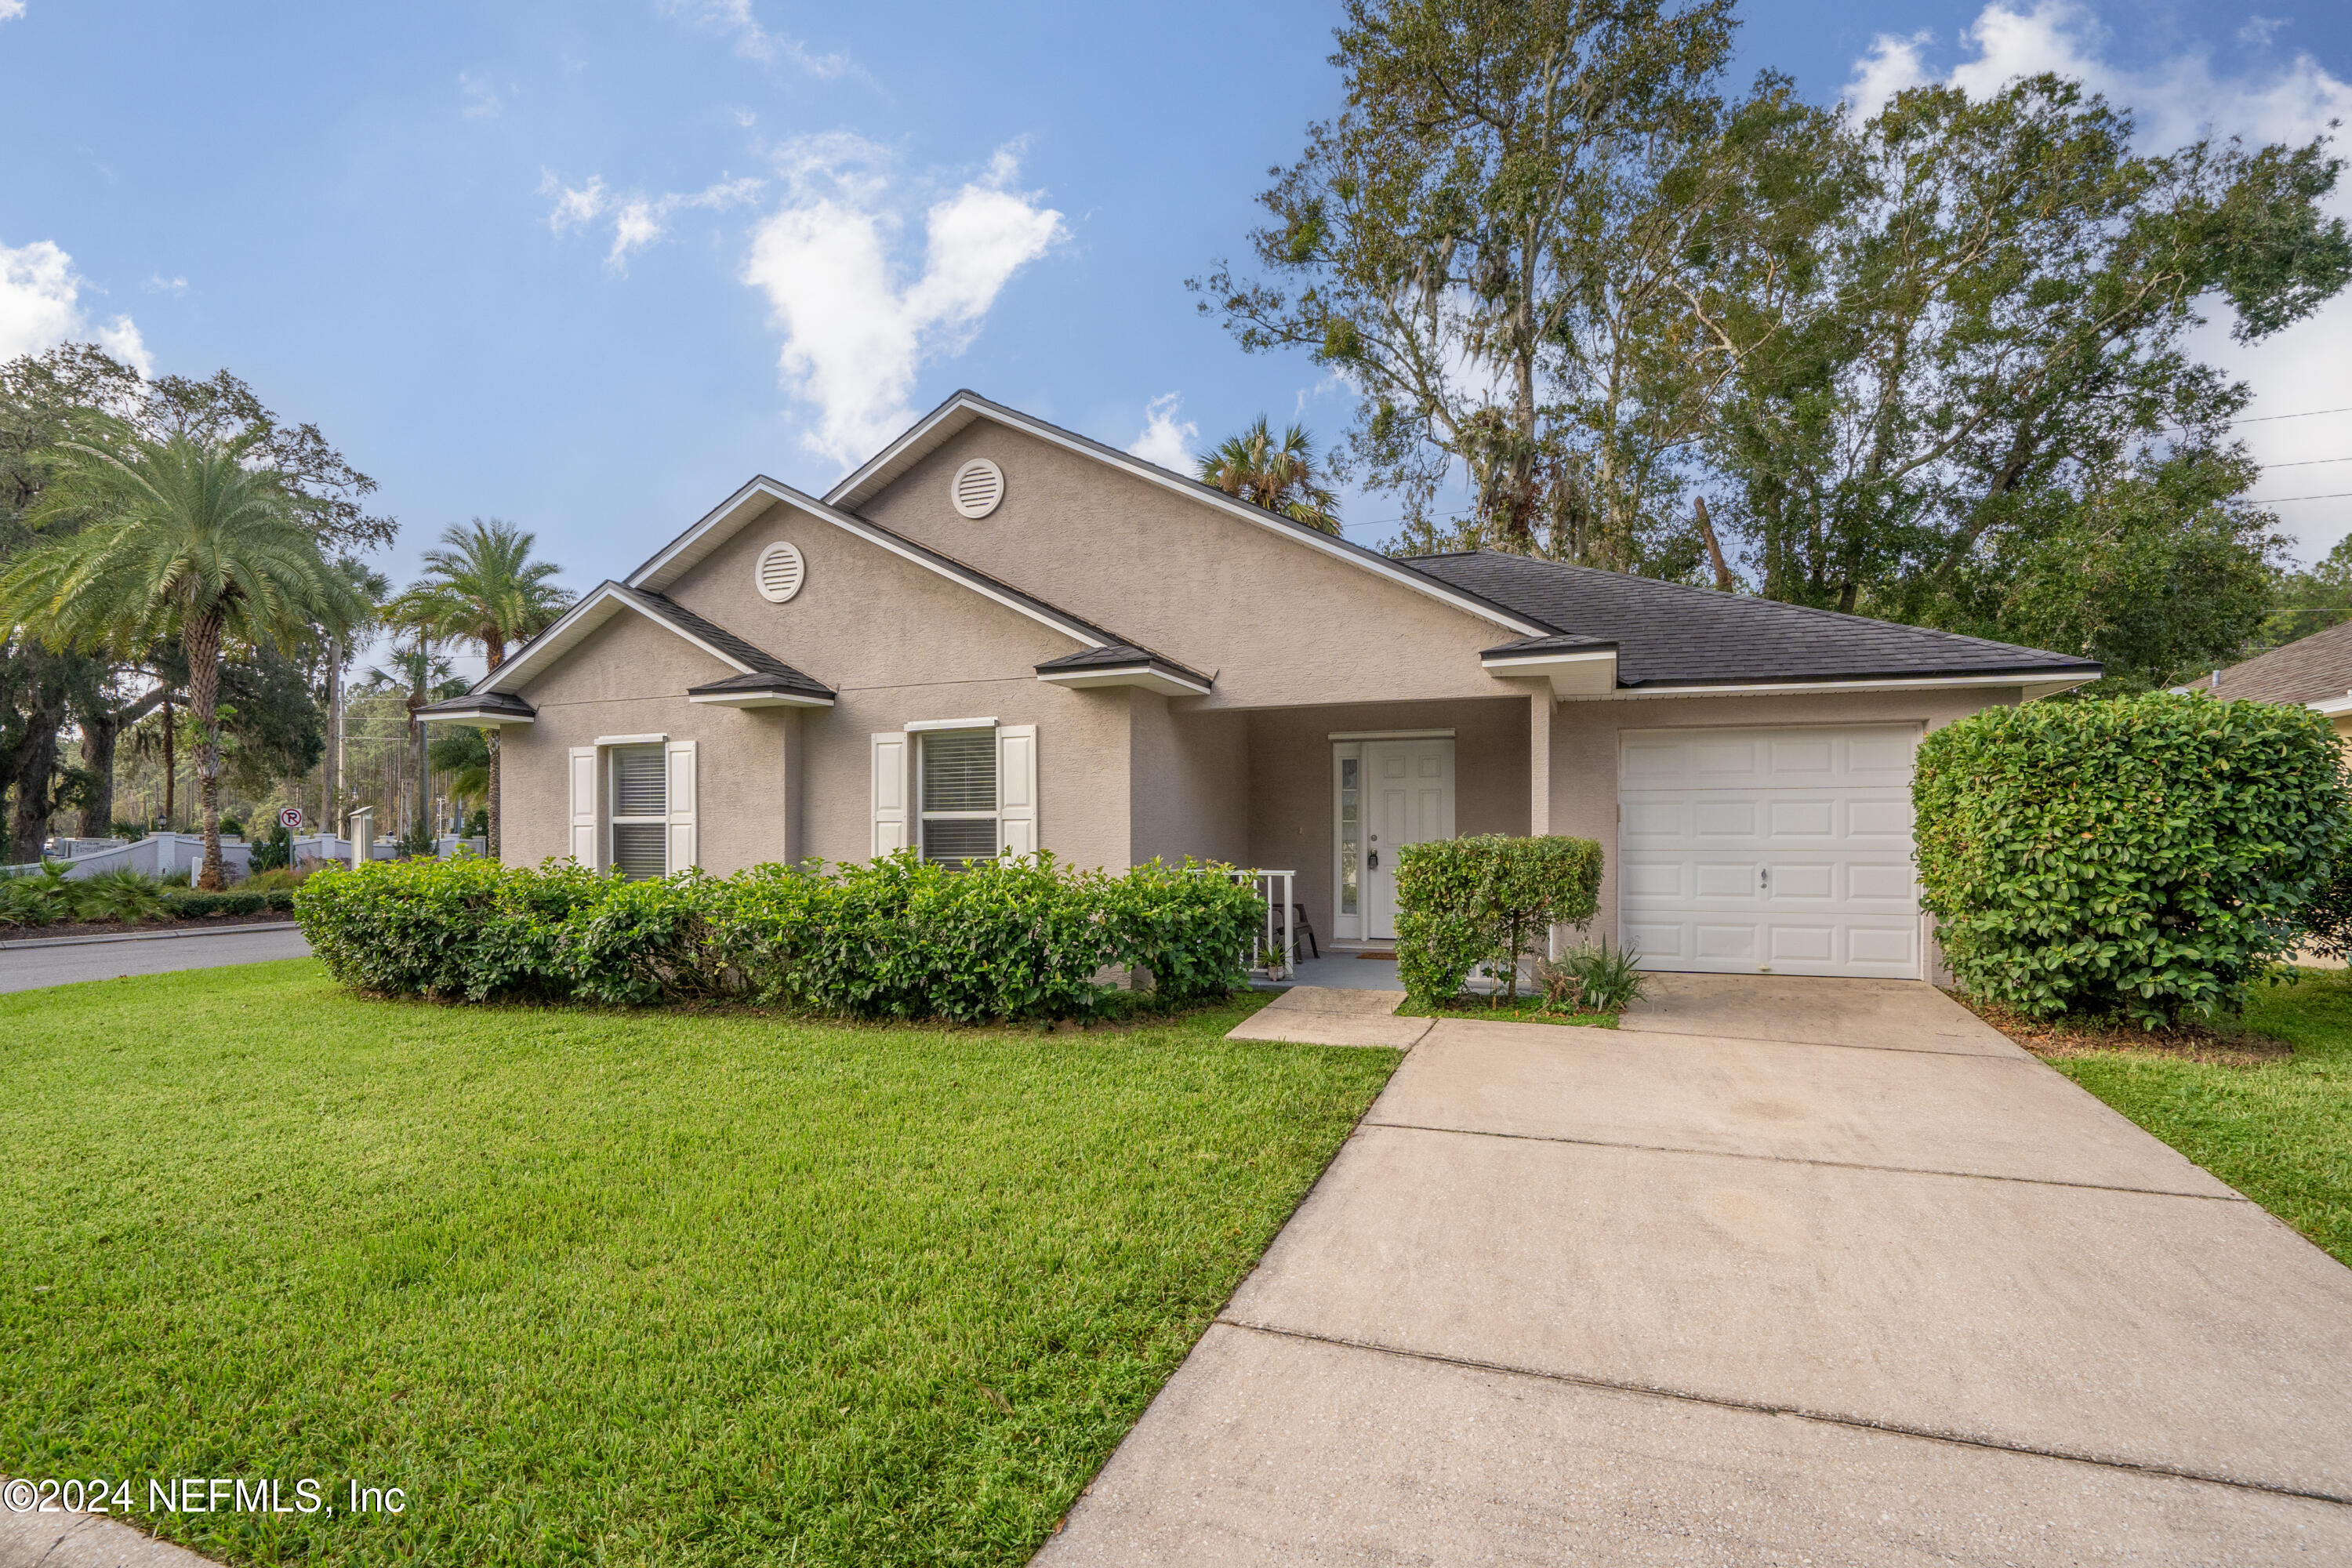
(29,968)
(1784,1271)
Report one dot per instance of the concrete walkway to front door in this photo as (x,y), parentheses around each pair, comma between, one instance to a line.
(1783,1271)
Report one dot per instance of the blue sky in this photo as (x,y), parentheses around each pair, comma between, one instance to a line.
(589,267)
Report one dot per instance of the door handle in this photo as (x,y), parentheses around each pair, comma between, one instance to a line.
(1373,861)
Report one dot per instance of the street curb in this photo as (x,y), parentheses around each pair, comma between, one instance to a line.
(145,935)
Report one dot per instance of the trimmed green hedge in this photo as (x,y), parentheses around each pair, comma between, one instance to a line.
(898,938)
(2148,857)
(182,904)
(1486,900)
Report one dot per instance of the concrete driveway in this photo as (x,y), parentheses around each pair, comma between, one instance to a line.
(1783,1271)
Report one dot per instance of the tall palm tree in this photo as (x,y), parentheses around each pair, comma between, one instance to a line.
(179,542)
(484,588)
(1278,475)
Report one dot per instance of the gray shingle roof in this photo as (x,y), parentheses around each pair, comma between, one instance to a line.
(663,607)
(1117,655)
(784,677)
(1669,634)
(2316,667)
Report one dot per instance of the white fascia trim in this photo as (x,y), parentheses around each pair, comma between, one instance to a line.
(2333,707)
(848,524)
(479,717)
(762,699)
(1390,735)
(918,724)
(1141,675)
(1590,672)
(630,740)
(1151,474)
(2042,687)
(512,672)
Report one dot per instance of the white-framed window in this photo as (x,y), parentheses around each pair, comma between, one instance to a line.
(955,784)
(639,788)
(956,792)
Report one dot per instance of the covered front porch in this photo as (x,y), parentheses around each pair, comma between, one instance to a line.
(1321,799)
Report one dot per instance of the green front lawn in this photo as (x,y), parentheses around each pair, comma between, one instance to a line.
(2279,1132)
(618,1288)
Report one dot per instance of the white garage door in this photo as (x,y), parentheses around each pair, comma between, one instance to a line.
(1781,851)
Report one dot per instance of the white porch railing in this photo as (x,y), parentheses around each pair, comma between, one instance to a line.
(1272,949)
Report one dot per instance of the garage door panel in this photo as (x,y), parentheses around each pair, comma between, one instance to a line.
(1782,850)
(1878,881)
(1723,819)
(1802,760)
(1719,941)
(1666,818)
(1716,879)
(1802,819)
(1656,940)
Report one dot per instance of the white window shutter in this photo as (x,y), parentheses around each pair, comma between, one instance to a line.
(583,806)
(685,850)
(889,792)
(1017,788)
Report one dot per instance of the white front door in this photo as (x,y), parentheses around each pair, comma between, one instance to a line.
(1409,799)
(1780,851)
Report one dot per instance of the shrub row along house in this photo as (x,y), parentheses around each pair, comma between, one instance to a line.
(997,635)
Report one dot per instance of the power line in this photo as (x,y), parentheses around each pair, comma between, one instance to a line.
(2273,500)
(2307,414)
(2306,462)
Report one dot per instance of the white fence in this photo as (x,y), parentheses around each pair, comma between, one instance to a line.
(162,854)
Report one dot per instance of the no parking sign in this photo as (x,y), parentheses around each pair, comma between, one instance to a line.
(290,818)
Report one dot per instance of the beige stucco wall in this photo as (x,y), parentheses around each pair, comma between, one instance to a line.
(1275,621)
(1585,741)
(1189,793)
(629,677)
(898,643)
(1291,798)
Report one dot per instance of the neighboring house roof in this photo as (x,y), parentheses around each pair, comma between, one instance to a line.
(2316,668)
(934,429)
(1669,635)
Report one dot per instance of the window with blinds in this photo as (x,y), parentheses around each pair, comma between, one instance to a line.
(640,812)
(956,788)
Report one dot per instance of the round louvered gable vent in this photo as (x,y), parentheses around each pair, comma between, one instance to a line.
(979,486)
(781,572)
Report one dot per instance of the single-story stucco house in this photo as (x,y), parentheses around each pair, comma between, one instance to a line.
(997,635)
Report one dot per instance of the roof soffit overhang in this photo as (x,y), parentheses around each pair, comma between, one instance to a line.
(961,410)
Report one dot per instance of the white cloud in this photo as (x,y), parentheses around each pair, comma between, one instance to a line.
(481,98)
(1892,65)
(11,9)
(2175,100)
(855,336)
(735,20)
(1166,439)
(637,221)
(40,307)
(159,284)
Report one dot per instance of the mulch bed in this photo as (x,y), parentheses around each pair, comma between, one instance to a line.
(116,928)
(2052,1038)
